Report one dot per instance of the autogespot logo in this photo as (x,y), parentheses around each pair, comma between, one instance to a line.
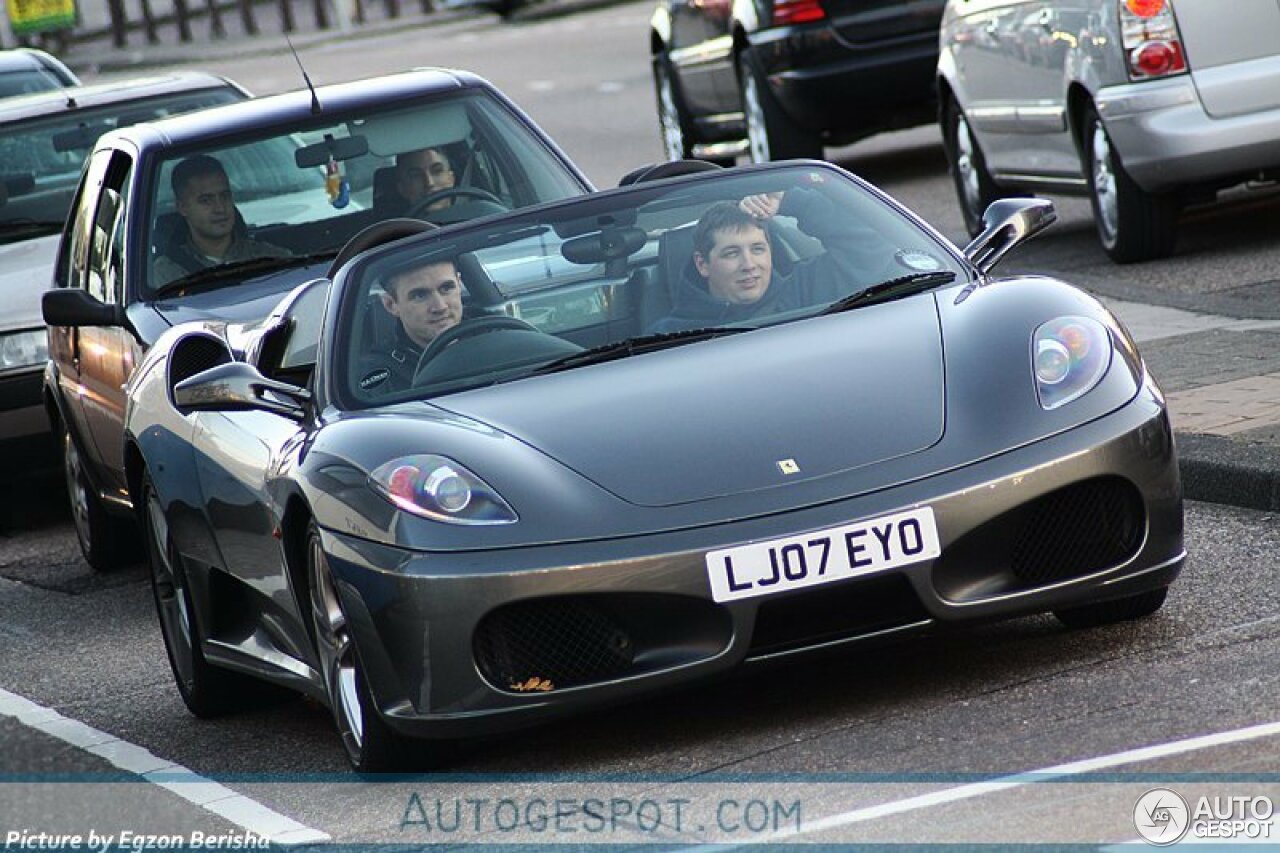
(1161,816)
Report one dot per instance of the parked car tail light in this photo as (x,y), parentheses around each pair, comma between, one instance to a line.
(1151,39)
(797,12)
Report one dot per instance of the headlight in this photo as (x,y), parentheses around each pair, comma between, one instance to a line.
(23,349)
(1069,356)
(438,488)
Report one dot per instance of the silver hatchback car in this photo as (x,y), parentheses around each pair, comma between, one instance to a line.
(1143,105)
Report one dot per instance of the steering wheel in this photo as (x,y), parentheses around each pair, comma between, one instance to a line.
(422,205)
(468,329)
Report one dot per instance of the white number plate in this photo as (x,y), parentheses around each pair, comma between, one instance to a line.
(825,556)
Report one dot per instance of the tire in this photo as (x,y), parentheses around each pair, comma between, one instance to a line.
(106,542)
(975,188)
(370,744)
(676,141)
(206,690)
(1133,225)
(771,133)
(1116,610)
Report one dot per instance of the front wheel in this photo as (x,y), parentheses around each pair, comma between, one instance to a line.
(771,133)
(671,122)
(1116,610)
(975,188)
(371,745)
(1133,225)
(107,543)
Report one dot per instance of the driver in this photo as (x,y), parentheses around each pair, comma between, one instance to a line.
(215,233)
(423,172)
(425,301)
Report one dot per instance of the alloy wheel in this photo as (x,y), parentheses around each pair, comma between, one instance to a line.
(669,118)
(337,652)
(757,133)
(965,168)
(77,488)
(1104,182)
(171,595)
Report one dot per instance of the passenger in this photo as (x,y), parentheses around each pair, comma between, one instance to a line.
(421,173)
(215,233)
(735,279)
(425,301)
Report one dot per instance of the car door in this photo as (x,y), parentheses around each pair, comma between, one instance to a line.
(701,52)
(107,354)
(238,453)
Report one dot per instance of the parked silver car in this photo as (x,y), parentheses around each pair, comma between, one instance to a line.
(1144,105)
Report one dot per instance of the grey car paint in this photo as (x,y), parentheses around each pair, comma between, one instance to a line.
(238,483)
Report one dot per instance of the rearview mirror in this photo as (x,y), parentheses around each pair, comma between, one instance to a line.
(331,148)
(237,386)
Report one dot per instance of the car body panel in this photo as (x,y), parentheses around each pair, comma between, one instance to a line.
(581,455)
(1014,66)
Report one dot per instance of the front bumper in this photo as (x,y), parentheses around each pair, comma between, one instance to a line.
(25,439)
(424,622)
(1166,139)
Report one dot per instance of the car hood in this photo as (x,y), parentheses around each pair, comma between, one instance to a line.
(747,412)
(237,302)
(26,271)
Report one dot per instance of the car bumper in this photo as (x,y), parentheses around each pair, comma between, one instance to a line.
(462,644)
(25,439)
(828,85)
(1167,140)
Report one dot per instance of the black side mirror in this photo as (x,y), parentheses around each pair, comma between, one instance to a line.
(65,306)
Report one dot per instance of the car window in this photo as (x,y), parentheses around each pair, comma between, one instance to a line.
(106,249)
(303,190)
(41,158)
(626,265)
(27,81)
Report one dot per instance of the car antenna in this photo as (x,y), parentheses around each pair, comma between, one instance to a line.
(315,102)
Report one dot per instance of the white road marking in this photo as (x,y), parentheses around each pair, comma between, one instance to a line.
(609,87)
(542,85)
(1018,780)
(217,799)
(1152,322)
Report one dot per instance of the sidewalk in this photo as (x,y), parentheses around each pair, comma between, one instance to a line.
(1221,373)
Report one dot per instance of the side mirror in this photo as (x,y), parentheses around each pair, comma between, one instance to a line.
(1007,223)
(67,306)
(237,386)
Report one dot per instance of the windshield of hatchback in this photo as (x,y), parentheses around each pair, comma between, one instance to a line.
(624,273)
(292,195)
(41,158)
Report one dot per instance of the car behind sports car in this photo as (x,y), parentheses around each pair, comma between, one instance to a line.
(682,426)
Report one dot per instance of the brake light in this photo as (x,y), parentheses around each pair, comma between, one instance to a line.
(797,12)
(1151,40)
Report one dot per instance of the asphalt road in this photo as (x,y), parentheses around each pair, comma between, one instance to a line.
(894,743)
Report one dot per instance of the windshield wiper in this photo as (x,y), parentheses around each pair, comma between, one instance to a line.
(203,279)
(635,346)
(894,288)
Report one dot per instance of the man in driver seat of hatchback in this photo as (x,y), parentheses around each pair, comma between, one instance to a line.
(426,301)
(423,172)
(215,233)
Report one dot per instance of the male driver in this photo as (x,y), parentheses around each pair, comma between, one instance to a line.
(425,300)
(421,173)
(735,279)
(204,201)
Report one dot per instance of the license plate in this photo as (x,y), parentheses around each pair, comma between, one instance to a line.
(824,556)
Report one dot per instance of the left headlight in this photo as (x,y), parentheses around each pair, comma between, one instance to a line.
(1069,356)
(23,349)
(439,488)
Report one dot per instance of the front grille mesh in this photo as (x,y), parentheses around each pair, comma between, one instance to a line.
(1077,530)
(195,354)
(566,642)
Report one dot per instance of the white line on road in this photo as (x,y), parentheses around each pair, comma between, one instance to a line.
(1018,780)
(205,793)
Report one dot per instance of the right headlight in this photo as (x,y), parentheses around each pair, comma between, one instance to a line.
(23,349)
(439,488)
(1069,356)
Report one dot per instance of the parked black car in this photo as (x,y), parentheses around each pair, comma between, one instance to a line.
(781,78)
(297,176)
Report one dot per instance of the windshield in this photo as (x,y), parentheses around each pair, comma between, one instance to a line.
(41,158)
(27,81)
(620,274)
(303,191)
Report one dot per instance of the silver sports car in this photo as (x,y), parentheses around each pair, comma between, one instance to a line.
(526,465)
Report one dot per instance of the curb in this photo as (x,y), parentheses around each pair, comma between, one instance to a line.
(1227,471)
